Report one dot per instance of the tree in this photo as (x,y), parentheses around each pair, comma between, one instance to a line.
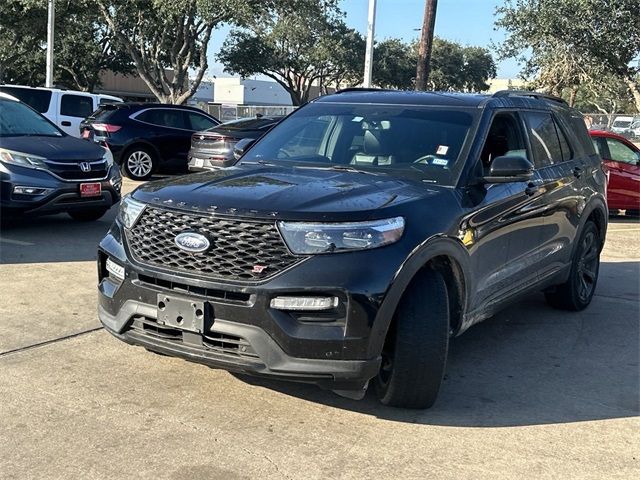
(83,44)
(394,64)
(299,44)
(165,39)
(569,42)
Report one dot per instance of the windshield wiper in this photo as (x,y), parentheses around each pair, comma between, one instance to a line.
(259,162)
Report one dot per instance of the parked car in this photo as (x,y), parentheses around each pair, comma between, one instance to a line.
(213,148)
(65,108)
(355,238)
(43,170)
(621,124)
(633,132)
(622,160)
(147,137)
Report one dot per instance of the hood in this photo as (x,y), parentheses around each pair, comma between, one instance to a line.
(285,192)
(54,148)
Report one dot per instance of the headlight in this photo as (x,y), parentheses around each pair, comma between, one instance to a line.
(22,159)
(130,210)
(107,157)
(309,238)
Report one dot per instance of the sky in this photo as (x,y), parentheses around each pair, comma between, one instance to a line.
(469,22)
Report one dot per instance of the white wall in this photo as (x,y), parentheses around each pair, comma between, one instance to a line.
(237,91)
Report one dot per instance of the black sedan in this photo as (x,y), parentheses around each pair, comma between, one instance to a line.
(43,170)
(213,148)
(146,137)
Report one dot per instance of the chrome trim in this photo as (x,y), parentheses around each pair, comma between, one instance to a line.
(76,180)
(134,115)
(92,162)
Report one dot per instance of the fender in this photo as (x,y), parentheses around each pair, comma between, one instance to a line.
(598,202)
(419,257)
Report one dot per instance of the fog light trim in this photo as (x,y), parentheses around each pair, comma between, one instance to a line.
(304,303)
(115,270)
(27,190)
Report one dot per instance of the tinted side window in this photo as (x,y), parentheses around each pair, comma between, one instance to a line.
(504,138)
(545,145)
(165,118)
(200,122)
(565,148)
(76,105)
(39,100)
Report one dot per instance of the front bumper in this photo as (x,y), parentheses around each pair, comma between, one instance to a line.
(243,333)
(60,195)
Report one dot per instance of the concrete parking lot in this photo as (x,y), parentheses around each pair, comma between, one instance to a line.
(531,393)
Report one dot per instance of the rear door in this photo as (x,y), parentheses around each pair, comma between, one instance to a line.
(72,109)
(169,131)
(561,173)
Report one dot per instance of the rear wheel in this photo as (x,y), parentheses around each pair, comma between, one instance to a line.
(576,293)
(139,163)
(88,215)
(415,350)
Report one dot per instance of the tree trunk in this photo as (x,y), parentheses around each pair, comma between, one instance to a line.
(635,91)
(426,44)
(572,96)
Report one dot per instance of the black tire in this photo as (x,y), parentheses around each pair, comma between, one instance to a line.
(415,352)
(139,163)
(88,215)
(576,293)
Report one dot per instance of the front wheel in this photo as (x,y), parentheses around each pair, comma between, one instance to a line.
(415,351)
(88,215)
(576,293)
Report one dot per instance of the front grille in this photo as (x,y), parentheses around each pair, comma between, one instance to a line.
(224,295)
(237,246)
(211,341)
(71,170)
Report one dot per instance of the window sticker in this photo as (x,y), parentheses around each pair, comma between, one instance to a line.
(442,150)
(357,119)
(440,161)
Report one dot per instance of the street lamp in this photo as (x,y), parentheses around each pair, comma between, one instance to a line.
(50,25)
(368,59)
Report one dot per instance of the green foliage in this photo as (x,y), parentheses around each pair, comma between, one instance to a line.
(298,43)
(165,39)
(83,45)
(567,43)
(453,67)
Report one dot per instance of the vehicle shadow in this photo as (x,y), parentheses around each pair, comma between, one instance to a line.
(54,238)
(530,365)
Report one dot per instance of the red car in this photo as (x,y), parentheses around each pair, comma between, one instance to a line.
(622,159)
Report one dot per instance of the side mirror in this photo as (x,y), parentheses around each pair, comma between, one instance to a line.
(509,168)
(242,146)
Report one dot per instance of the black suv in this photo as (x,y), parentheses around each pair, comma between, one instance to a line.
(353,240)
(146,137)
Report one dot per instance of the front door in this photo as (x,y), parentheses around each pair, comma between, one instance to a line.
(73,109)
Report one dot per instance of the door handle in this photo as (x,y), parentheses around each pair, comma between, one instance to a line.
(578,171)
(65,123)
(532,188)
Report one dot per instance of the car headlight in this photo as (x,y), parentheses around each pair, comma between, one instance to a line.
(310,238)
(130,210)
(21,159)
(107,157)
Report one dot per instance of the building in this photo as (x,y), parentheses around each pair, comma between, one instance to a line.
(242,91)
(497,84)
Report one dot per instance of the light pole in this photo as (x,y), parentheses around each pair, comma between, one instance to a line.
(368,58)
(50,25)
(426,44)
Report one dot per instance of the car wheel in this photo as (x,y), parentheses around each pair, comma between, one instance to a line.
(88,215)
(415,351)
(139,163)
(576,293)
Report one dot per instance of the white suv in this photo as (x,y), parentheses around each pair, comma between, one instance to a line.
(65,108)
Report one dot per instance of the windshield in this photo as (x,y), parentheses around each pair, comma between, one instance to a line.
(621,123)
(379,138)
(18,120)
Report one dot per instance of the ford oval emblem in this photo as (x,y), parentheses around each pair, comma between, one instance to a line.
(192,242)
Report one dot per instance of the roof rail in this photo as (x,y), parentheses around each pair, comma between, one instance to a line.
(527,93)
(362,89)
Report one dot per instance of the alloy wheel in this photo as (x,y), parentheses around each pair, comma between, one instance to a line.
(588,266)
(139,163)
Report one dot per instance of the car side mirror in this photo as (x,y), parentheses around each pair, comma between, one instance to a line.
(242,146)
(509,168)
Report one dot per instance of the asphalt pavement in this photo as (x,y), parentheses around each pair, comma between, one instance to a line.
(531,393)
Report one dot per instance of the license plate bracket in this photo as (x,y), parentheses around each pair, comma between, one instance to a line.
(181,313)
(93,189)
